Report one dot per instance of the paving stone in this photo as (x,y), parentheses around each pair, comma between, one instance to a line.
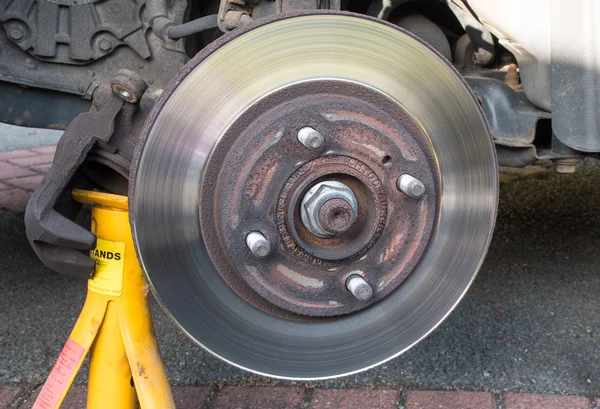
(10,171)
(8,395)
(14,200)
(354,399)
(190,398)
(45,149)
(39,159)
(449,400)
(26,183)
(537,401)
(259,397)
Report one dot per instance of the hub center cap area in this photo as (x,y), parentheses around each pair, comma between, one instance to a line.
(329,209)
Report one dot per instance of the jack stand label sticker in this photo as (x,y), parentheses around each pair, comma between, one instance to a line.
(110,260)
(60,377)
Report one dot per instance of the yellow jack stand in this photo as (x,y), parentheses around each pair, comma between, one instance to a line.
(115,324)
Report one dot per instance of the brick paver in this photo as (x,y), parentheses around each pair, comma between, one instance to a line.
(39,159)
(45,149)
(449,400)
(76,398)
(17,154)
(26,183)
(9,171)
(259,397)
(8,395)
(42,168)
(14,200)
(354,399)
(536,401)
(190,398)
(21,171)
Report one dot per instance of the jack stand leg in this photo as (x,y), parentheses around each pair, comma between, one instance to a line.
(110,384)
(115,324)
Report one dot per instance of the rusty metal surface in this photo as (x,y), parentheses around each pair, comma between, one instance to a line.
(259,172)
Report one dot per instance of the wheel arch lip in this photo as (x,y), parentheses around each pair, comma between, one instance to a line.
(163,100)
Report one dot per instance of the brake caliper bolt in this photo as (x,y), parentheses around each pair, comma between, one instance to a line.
(16,34)
(359,287)
(310,138)
(258,244)
(105,45)
(413,187)
(124,93)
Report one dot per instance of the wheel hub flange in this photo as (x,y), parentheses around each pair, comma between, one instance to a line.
(329,210)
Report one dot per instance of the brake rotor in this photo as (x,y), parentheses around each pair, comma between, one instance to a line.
(313,195)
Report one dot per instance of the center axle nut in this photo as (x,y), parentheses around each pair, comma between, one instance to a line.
(329,209)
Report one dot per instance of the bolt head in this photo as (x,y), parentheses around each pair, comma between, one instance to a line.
(105,45)
(125,93)
(16,33)
(324,203)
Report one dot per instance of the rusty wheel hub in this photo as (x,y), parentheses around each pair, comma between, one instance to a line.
(328,209)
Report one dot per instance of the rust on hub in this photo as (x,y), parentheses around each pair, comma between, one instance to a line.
(259,173)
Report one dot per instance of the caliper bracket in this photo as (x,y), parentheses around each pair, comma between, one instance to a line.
(57,240)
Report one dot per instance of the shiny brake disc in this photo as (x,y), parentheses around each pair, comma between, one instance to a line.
(313,195)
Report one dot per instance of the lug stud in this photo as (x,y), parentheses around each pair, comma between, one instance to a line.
(258,244)
(359,287)
(310,138)
(413,187)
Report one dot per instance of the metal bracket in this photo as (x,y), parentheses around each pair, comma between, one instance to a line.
(56,239)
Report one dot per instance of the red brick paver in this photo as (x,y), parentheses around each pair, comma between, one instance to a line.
(259,397)
(190,398)
(449,400)
(76,398)
(5,155)
(21,172)
(45,149)
(39,159)
(14,200)
(9,171)
(8,395)
(42,168)
(26,183)
(536,401)
(354,399)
